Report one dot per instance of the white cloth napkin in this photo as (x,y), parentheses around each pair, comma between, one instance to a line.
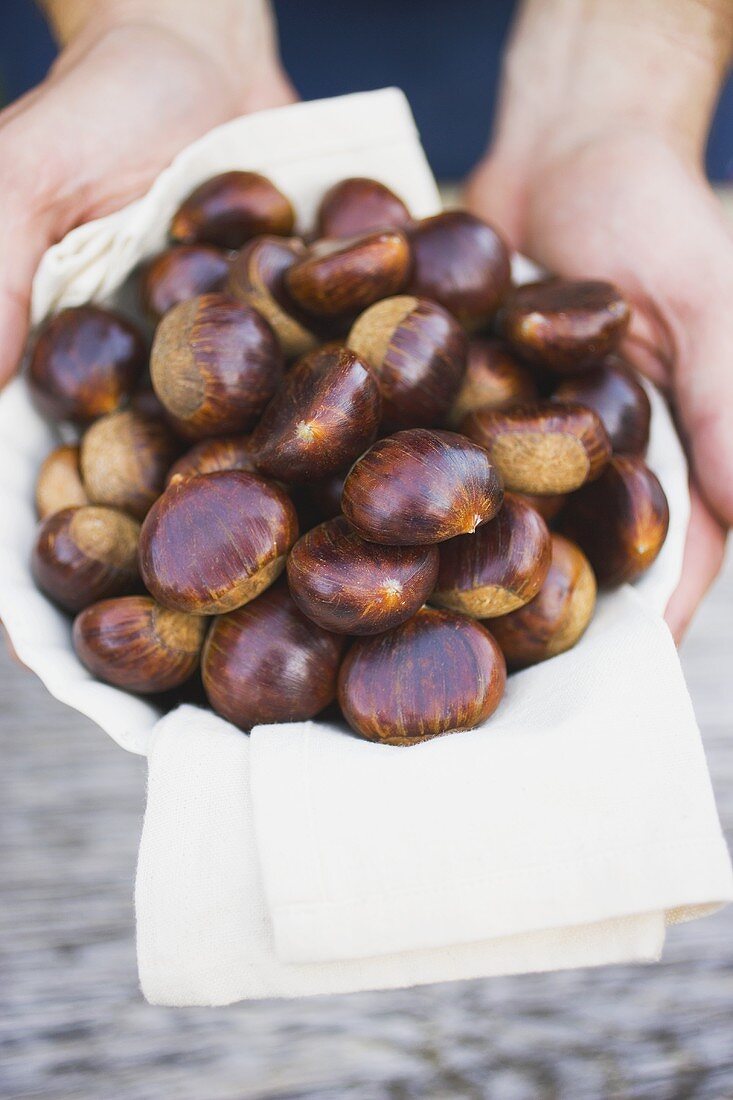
(302,860)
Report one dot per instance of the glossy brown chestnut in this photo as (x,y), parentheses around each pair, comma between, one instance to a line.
(85,361)
(359,205)
(59,484)
(419,487)
(212,543)
(351,586)
(215,364)
(338,279)
(614,391)
(180,273)
(230,208)
(324,415)
(137,645)
(437,673)
(497,569)
(257,279)
(547,506)
(558,615)
(124,460)
(494,379)
(225,452)
(267,662)
(544,448)
(418,353)
(563,324)
(461,262)
(620,521)
(84,554)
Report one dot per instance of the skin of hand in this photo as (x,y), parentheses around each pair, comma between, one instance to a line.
(596,170)
(136,81)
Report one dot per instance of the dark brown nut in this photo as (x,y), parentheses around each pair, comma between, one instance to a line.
(338,279)
(437,673)
(180,273)
(59,484)
(494,379)
(231,208)
(215,364)
(418,353)
(267,662)
(461,262)
(145,402)
(124,461)
(324,415)
(497,569)
(558,615)
(358,205)
(210,544)
(84,554)
(134,644)
(563,324)
(351,586)
(84,363)
(548,506)
(544,448)
(620,521)
(321,500)
(419,487)
(614,391)
(257,280)
(225,452)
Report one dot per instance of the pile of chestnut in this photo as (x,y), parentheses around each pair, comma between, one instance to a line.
(361,468)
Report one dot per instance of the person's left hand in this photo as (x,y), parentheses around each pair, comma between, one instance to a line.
(626,206)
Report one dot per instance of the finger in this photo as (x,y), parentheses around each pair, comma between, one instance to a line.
(703,557)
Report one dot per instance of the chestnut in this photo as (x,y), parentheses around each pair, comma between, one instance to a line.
(436,673)
(137,645)
(461,262)
(544,448)
(180,273)
(214,542)
(124,460)
(418,353)
(614,391)
(257,279)
(564,324)
(558,615)
(224,452)
(338,279)
(494,379)
(215,364)
(419,487)
(358,205)
(321,500)
(267,662)
(84,554)
(145,401)
(59,484)
(230,208)
(84,363)
(497,569)
(548,506)
(324,415)
(351,586)
(620,521)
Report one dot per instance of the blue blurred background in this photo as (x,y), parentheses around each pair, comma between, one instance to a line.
(444,53)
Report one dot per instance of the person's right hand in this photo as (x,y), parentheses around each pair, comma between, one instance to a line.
(138,81)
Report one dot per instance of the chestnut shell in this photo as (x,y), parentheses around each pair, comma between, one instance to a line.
(230,208)
(267,662)
(59,484)
(212,543)
(358,205)
(351,586)
(494,379)
(437,673)
(124,460)
(134,644)
(324,415)
(224,452)
(614,391)
(180,273)
(421,486)
(85,361)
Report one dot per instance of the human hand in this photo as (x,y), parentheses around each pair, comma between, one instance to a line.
(138,80)
(624,197)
